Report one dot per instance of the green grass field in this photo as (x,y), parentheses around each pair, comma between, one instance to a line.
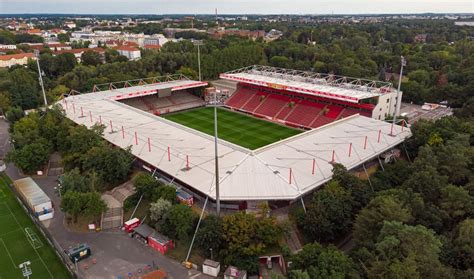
(234,127)
(21,241)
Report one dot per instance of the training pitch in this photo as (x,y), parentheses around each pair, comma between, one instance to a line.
(238,128)
(20,241)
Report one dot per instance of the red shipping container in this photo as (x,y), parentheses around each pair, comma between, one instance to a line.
(160,243)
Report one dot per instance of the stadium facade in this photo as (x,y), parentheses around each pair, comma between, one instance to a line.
(282,171)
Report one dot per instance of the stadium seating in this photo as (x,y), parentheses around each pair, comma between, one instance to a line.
(176,102)
(239,98)
(305,112)
(320,121)
(334,111)
(286,110)
(254,102)
(272,105)
(309,113)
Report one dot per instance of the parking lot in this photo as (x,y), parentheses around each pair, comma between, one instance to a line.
(415,112)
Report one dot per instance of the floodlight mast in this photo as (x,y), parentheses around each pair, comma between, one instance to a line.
(398,101)
(40,74)
(218,200)
(198,44)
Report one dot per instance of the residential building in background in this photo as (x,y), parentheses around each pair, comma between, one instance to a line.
(132,53)
(15,59)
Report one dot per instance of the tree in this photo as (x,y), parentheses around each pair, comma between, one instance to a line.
(145,184)
(322,262)
(165,192)
(72,203)
(158,209)
(457,204)
(63,37)
(111,164)
(94,205)
(464,244)
(244,238)
(91,58)
(30,157)
(23,89)
(210,235)
(75,181)
(179,222)
(404,251)
(370,220)
(329,214)
(14,114)
(188,72)
(89,204)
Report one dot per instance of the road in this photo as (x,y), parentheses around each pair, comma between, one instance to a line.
(115,252)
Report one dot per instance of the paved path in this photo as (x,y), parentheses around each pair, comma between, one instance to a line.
(115,252)
(113,218)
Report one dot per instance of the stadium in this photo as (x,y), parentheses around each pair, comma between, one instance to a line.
(280,132)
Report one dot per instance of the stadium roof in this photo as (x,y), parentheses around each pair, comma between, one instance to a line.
(127,92)
(327,86)
(262,174)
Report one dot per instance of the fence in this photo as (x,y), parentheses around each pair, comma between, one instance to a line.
(47,235)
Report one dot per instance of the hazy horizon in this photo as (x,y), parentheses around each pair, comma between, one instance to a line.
(262,7)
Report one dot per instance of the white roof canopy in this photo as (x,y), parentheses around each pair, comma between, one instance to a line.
(262,174)
(323,85)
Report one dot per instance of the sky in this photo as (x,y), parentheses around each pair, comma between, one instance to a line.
(236,6)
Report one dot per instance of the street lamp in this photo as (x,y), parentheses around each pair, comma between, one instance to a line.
(40,74)
(198,44)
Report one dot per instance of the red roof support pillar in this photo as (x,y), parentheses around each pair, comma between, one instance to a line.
(123,132)
(350,149)
(314,165)
(333,156)
(380,132)
(149,145)
(291,174)
(82,112)
(365,143)
(187,162)
(169,154)
(111,127)
(136,138)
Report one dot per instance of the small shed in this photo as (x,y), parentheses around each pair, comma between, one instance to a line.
(160,242)
(35,197)
(233,272)
(184,197)
(211,268)
(131,224)
(142,233)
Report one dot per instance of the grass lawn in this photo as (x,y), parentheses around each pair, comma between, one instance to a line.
(15,245)
(234,127)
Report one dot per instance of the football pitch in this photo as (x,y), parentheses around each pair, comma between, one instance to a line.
(21,241)
(240,129)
